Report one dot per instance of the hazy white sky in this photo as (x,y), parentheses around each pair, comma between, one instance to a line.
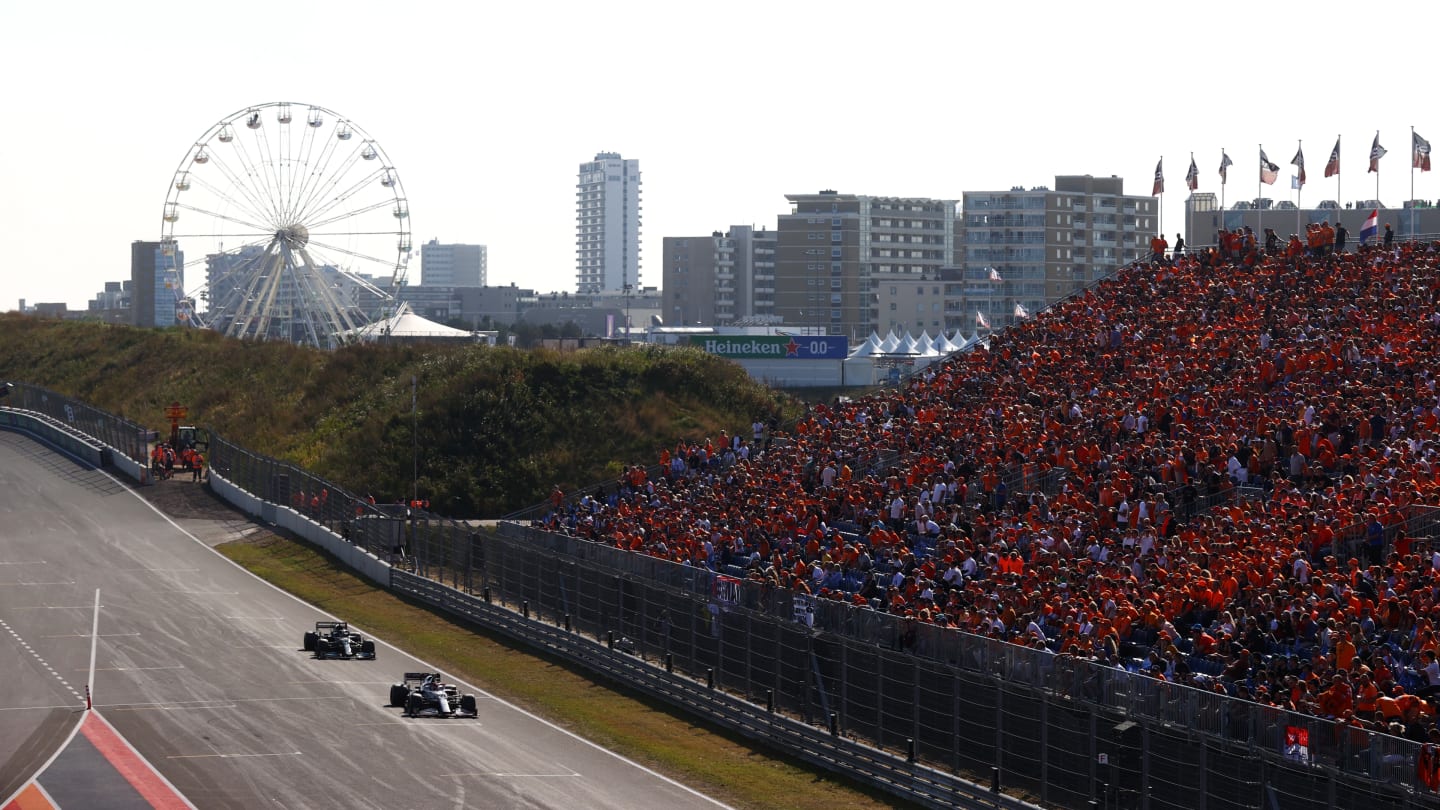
(488,109)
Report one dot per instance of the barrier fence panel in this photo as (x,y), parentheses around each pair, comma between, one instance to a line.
(123,435)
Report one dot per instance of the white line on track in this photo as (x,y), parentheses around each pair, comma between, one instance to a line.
(22,562)
(505,774)
(53,607)
(133,669)
(7,628)
(35,708)
(171,708)
(88,635)
(233,756)
(66,582)
(199,593)
(347,682)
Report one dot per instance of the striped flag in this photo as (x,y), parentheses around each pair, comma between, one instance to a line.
(1269,172)
(1225,164)
(995,275)
(1371,226)
(1376,152)
(1421,159)
(1332,168)
(1192,177)
(981,321)
(1020,311)
(1159,187)
(1299,162)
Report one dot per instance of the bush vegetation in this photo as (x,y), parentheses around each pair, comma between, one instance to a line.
(495,427)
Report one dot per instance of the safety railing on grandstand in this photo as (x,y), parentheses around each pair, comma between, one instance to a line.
(969,704)
(122,435)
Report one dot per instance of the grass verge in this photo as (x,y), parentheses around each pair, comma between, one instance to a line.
(715,763)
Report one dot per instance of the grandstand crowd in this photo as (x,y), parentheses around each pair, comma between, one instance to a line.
(1212,469)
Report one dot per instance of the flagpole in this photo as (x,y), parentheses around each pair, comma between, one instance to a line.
(1339,198)
(1222,194)
(1160,203)
(1377,171)
(1412,183)
(1300,187)
(1259,206)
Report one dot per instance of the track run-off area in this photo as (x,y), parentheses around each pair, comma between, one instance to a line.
(202,696)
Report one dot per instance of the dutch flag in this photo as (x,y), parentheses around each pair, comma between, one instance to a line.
(1372,225)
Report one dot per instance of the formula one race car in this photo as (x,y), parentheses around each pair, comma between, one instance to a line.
(425,694)
(336,640)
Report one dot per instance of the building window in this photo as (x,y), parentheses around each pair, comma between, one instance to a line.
(834,252)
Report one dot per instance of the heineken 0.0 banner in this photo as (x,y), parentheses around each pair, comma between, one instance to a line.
(774,347)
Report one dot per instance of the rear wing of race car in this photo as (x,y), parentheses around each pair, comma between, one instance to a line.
(324,628)
(417,677)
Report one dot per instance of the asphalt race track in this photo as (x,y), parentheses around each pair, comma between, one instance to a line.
(198,666)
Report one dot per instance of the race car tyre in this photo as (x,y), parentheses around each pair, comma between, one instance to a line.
(310,641)
(367,648)
(412,706)
(398,693)
(467,704)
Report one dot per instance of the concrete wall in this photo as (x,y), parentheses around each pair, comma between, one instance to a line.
(87,450)
(356,558)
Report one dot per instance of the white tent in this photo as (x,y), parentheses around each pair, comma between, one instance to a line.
(890,343)
(867,347)
(406,326)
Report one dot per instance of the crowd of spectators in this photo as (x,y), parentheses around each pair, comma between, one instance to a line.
(1240,448)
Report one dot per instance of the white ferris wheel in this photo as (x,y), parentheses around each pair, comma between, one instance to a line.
(285,222)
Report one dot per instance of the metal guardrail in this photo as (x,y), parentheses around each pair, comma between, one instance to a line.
(909,780)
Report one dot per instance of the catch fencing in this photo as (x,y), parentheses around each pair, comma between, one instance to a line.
(120,434)
(1064,730)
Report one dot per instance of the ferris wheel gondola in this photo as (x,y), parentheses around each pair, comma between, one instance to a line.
(300,229)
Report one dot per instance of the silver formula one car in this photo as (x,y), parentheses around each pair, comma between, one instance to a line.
(425,694)
(337,640)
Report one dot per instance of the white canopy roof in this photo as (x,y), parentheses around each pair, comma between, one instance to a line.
(405,324)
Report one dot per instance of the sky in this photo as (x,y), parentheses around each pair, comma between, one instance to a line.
(487,110)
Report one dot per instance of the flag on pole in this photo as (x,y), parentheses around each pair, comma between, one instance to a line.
(1020,311)
(995,275)
(1296,182)
(1225,163)
(1269,172)
(1332,168)
(1192,177)
(1376,152)
(1371,226)
(1159,187)
(1299,161)
(981,321)
(1421,159)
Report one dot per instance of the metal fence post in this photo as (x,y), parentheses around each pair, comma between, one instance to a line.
(1044,751)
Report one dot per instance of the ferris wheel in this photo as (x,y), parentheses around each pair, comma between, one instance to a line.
(285,222)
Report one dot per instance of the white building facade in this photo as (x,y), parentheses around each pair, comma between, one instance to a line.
(607,225)
(453,265)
